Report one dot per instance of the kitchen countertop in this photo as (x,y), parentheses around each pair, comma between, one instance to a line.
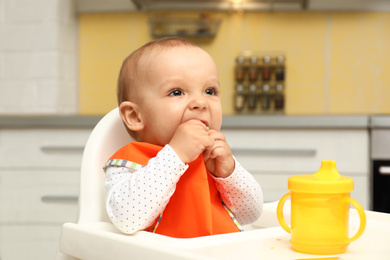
(296,121)
(380,121)
(229,121)
(49,121)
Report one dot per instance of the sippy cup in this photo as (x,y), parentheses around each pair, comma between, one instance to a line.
(320,211)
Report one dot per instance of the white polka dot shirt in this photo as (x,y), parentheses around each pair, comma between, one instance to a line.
(136,197)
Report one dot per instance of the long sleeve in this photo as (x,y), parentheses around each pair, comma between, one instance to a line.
(135,198)
(137,195)
(241,194)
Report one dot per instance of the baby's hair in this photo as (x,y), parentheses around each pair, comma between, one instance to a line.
(127,79)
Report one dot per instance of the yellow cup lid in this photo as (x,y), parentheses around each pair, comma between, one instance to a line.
(326,180)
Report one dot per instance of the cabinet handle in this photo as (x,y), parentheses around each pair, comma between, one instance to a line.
(59,199)
(385,170)
(54,148)
(275,152)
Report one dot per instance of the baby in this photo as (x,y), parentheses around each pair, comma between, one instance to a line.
(180,178)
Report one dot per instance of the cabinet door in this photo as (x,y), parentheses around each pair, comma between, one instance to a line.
(300,151)
(272,156)
(29,242)
(42,148)
(38,197)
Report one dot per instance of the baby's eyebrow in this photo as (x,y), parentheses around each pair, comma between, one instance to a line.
(213,81)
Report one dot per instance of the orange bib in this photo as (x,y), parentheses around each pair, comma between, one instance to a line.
(195,209)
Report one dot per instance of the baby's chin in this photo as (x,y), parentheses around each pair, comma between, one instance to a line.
(157,141)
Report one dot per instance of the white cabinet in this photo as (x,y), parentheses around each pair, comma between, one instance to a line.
(39,174)
(25,242)
(273,155)
(38,196)
(39,185)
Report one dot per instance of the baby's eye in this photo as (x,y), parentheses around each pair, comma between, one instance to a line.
(176,92)
(211,91)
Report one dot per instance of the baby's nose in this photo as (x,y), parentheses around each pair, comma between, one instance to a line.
(198,103)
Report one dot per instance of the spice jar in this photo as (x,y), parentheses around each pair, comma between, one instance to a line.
(240,69)
(265,97)
(253,69)
(252,97)
(279,97)
(279,69)
(266,70)
(239,98)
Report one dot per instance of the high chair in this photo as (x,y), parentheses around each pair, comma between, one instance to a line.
(108,136)
(94,236)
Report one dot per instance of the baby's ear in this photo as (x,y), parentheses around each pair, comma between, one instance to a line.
(130,114)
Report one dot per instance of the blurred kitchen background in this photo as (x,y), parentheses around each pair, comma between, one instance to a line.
(59,61)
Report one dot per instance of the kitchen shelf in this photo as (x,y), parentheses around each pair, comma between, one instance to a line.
(184,27)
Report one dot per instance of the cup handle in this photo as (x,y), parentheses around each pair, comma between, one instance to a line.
(362,216)
(279,212)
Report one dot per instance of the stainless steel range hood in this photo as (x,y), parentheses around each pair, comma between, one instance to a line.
(213,5)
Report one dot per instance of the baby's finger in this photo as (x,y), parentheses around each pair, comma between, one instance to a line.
(206,154)
(210,145)
(216,135)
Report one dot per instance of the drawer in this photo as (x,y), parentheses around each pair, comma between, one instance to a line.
(300,151)
(42,148)
(44,197)
(29,242)
(274,186)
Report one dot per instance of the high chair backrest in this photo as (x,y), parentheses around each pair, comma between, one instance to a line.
(106,138)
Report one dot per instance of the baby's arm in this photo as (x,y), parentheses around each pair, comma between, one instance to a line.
(136,198)
(241,194)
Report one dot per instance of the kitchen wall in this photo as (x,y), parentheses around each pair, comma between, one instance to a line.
(337,62)
(38,57)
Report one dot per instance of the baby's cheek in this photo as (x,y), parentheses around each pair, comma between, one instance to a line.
(216,124)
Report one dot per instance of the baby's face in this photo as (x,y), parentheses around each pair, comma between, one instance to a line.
(180,84)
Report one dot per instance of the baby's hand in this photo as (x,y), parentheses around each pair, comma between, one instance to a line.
(190,140)
(218,158)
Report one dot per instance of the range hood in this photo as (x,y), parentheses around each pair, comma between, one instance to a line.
(247,5)
(86,6)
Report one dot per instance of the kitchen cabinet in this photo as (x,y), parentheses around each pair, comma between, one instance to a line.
(40,160)
(84,6)
(39,184)
(273,155)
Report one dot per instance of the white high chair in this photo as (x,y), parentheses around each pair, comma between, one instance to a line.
(107,137)
(94,236)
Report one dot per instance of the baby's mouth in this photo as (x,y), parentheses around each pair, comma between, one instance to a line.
(206,124)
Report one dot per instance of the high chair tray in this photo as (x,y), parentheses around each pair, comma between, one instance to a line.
(101,240)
